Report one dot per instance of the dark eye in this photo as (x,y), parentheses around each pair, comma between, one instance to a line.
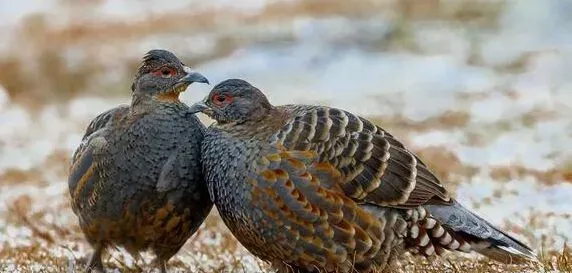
(165,72)
(220,99)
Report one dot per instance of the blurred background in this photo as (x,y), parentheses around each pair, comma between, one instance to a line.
(481,89)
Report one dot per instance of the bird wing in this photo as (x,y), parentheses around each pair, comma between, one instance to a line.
(82,179)
(95,125)
(376,168)
(321,225)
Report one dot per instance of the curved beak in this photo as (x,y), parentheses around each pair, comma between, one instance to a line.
(201,106)
(192,77)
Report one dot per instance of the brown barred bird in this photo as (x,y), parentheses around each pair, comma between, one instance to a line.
(136,178)
(319,189)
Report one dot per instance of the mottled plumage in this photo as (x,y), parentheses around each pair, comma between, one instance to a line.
(136,179)
(316,188)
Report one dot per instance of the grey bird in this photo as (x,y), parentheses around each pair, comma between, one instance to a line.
(136,180)
(319,189)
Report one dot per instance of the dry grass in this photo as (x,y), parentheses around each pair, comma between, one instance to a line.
(548,177)
(54,248)
(402,127)
(38,68)
(39,257)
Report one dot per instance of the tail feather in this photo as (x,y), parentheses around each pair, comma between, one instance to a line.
(483,237)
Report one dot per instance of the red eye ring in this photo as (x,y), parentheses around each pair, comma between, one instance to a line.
(165,72)
(221,99)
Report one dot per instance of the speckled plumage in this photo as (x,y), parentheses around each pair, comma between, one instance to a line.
(136,179)
(312,188)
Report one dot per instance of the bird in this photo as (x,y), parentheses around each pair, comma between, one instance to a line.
(136,180)
(311,188)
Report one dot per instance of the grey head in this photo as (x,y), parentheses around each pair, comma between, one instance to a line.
(162,73)
(234,100)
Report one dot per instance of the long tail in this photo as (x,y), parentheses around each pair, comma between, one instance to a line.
(466,231)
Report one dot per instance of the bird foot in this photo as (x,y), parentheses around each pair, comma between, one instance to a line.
(95,264)
(161,265)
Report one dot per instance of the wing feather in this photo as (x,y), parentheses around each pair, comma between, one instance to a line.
(322,226)
(376,168)
(83,170)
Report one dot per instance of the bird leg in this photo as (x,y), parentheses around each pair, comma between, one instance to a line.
(161,264)
(95,264)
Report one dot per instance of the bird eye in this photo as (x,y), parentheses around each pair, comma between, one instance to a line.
(220,99)
(165,72)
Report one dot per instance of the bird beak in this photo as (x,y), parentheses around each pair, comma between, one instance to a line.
(192,77)
(201,106)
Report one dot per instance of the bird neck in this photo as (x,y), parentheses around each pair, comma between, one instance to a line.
(261,127)
(145,102)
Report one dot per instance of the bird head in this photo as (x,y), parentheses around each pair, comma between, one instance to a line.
(163,75)
(234,100)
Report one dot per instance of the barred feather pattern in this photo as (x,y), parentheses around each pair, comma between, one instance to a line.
(319,189)
(375,167)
